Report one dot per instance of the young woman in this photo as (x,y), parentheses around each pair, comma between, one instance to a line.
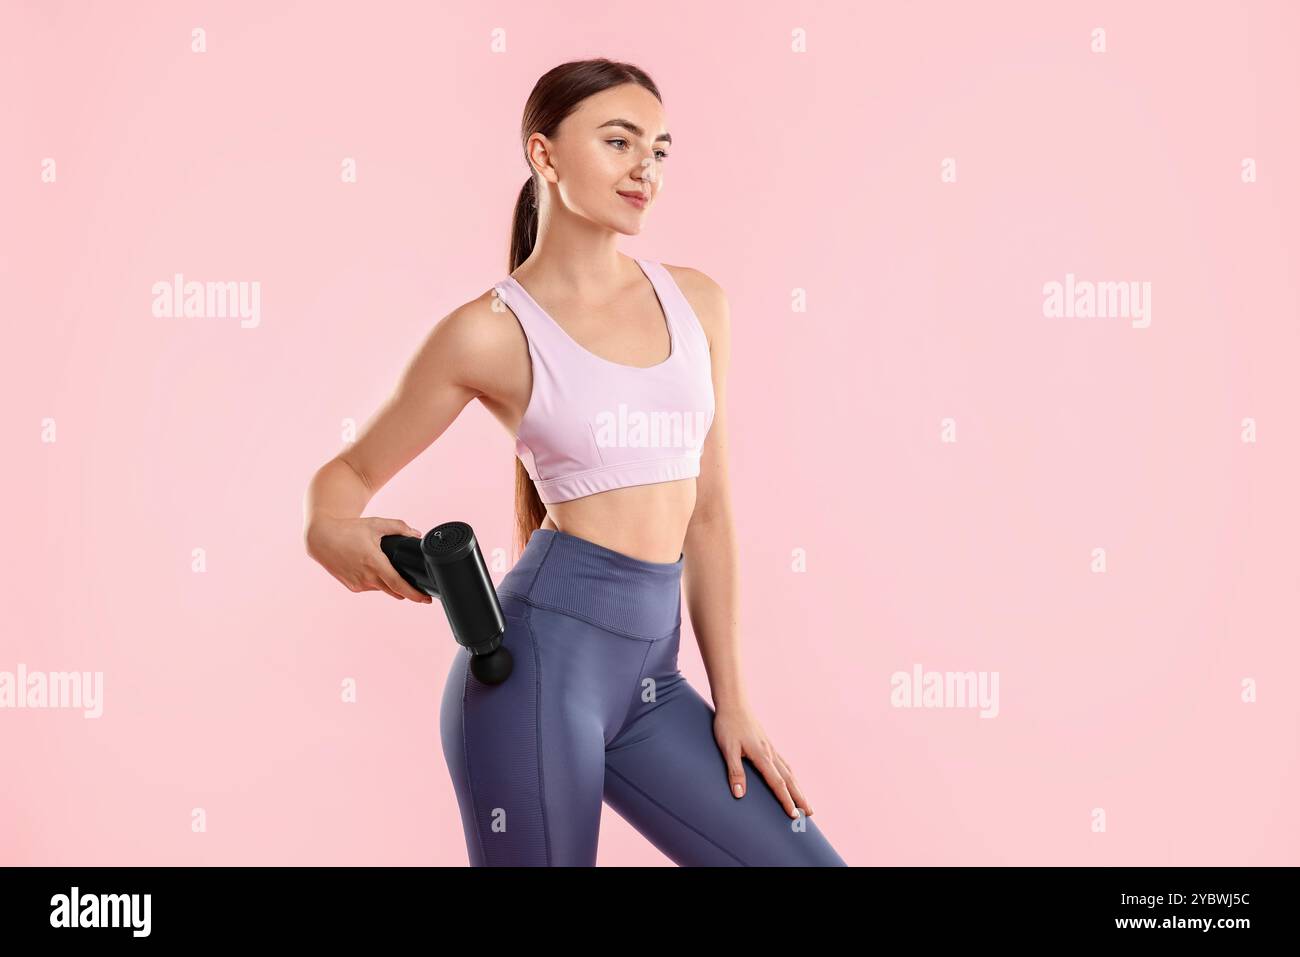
(610,373)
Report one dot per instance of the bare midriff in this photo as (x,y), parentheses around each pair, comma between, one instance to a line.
(644,521)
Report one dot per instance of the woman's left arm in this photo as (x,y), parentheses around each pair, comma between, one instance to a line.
(711,575)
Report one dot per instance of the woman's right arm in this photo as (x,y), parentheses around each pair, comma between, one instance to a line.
(438,382)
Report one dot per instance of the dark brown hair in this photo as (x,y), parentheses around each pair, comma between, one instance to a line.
(555,96)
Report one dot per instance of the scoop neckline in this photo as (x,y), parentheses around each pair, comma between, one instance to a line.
(663,308)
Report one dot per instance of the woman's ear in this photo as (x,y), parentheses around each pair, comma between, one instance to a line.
(541,157)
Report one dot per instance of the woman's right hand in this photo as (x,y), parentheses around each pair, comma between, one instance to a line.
(348,548)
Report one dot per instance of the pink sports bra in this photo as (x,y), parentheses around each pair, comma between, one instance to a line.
(593,425)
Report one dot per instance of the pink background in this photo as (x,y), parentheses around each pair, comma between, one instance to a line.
(816,171)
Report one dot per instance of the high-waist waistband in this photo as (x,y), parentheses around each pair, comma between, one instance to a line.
(627,595)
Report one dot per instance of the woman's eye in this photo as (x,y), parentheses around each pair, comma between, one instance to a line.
(660,153)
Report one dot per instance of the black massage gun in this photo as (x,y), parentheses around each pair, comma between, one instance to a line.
(448,565)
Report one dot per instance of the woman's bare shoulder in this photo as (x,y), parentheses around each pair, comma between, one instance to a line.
(706,297)
(478,340)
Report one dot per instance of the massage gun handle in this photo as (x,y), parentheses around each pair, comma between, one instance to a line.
(405,554)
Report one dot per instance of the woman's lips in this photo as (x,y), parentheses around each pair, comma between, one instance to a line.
(636,199)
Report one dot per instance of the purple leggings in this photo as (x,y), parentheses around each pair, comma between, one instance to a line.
(594,710)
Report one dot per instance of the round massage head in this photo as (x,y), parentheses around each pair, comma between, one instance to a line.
(492,669)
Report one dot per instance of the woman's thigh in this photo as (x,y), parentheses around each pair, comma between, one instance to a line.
(527,756)
(666,776)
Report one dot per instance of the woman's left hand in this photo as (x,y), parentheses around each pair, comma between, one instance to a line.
(738,735)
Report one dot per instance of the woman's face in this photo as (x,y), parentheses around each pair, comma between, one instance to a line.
(607,159)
